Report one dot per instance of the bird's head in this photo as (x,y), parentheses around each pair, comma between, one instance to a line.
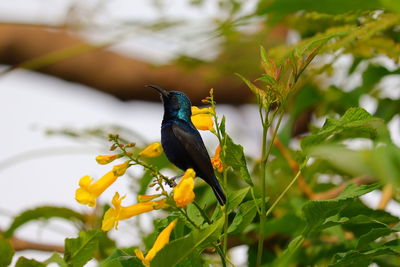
(176,103)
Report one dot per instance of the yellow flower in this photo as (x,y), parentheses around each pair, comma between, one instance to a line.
(202,118)
(105,159)
(120,169)
(161,241)
(153,150)
(88,191)
(216,160)
(147,198)
(118,213)
(183,192)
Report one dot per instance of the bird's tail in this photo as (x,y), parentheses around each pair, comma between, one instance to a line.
(219,193)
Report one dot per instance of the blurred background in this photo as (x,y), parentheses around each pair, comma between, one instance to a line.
(73,71)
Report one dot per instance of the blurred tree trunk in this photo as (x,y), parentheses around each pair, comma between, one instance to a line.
(110,72)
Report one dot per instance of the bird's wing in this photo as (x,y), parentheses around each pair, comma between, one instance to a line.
(194,146)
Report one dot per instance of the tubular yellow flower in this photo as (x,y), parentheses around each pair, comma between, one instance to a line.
(161,241)
(88,191)
(147,198)
(216,160)
(120,169)
(105,159)
(118,213)
(183,192)
(202,118)
(152,151)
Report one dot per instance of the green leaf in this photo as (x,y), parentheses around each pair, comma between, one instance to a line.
(56,258)
(235,198)
(24,262)
(234,156)
(276,9)
(356,258)
(356,122)
(289,224)
(245,215)
(257,91)
(194,214)
(317,213)
(80,250)
(286,257)
(121,259)
(372,235)
(222,126)
(6,252)
(42,213)
(177,250)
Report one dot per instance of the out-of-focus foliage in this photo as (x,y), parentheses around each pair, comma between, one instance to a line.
(339,54)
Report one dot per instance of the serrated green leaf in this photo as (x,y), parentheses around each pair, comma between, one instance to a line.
(43,213)
(316,213)
(356,122)
(56,258)
(356,258)
(80,250)
(234,157)
(6,252)
(120,258)
(177,250)
(24,262)
(245,215)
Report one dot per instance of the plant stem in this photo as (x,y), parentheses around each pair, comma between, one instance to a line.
(203,213)
(263,192)
(283,193)
(226,215)
(264,159)
(187,218)
(221,254)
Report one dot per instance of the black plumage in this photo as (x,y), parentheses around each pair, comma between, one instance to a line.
(182,142)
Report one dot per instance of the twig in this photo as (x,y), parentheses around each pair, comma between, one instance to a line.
(387,195)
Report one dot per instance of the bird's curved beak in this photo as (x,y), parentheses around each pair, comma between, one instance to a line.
(162,91)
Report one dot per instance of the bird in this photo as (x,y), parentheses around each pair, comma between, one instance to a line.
(182,142)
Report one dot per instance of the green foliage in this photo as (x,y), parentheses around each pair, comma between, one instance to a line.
(318,214)
(42,213)
(121,259)
(6,252)
(24,262)
(234,157)
(78,251)
(244,216)
(356,122)
(176,251)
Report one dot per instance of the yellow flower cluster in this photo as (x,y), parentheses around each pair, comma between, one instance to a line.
(89,191)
